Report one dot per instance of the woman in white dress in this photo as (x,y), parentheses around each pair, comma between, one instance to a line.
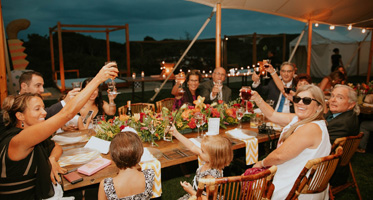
(303,138)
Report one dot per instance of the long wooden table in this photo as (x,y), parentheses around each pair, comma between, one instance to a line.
(170,154)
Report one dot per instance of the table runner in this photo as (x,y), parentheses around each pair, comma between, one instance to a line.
(251,143)
(154,164)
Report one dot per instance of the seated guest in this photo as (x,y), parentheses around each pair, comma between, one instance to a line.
(126,150)
(330,81)
(33,82)
(366,127)
(303,138)
(191,91)
(214,90)
(281,104)
(343,113)
(29,158)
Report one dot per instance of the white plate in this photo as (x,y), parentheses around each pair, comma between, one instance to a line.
(276,127)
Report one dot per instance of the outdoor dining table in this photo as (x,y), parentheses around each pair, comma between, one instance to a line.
(168,153)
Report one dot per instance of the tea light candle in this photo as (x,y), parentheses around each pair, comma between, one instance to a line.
(163,76)
(133,75)
(142,74)
(229,75)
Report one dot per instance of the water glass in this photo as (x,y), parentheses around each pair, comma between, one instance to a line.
(167,135)
(239,115)
(254,122)
(152,128)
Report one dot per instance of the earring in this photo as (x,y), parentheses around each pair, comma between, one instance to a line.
(22,125)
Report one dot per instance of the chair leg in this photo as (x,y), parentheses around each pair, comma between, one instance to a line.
(331,196)
(354,180)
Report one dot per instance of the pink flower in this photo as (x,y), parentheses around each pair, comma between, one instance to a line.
(144,128)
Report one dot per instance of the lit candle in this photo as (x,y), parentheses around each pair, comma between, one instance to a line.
(134,75)
(188,70)
(203,72)
(142,74)
(206,75)
(229,74)
(210,72)
(163,76)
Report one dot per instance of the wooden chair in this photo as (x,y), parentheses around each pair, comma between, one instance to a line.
(136,108)
(315,176)
(349,145)
(257,186)
(167,102)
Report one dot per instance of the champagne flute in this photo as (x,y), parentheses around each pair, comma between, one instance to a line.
(246,95)
(77,85)
(239,114)
(152,130)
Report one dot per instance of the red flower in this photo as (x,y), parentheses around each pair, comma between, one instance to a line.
(192,123)
(191,107)
(122,127)
(236,105)
(215,112)
(142,115)
(207,106)
(220,101)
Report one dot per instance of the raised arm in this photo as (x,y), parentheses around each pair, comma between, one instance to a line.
(281,119)
(23,143)
(276,78)
(189,144)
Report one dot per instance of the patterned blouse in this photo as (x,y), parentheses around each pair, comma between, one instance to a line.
(147,194)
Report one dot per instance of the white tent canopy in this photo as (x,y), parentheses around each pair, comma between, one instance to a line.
(323,43)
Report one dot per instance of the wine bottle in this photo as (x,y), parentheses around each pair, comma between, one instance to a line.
(129,112)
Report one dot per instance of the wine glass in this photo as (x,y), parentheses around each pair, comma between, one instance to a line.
(152,130)
(266,65)
(246,95)
(198,117)
(203,121)
(111,85)
(219,84)
(239,114)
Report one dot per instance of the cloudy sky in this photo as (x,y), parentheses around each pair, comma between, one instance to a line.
(160,19)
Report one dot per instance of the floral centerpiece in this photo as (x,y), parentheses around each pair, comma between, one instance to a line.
(184,118)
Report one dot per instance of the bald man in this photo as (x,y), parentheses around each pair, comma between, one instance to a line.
(212,92)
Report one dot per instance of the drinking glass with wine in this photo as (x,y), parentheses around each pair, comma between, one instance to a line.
(246,95)
(111,85)
(180,78)
(266,66)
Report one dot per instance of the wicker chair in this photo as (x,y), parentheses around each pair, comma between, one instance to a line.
(136,108)
(315,176)
(349,145)
(257,186)
(167,102)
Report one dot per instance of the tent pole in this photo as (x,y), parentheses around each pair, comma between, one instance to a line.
(185,52)
(3,85)
(107,45)
(62,67)
(218,36)
(309,48)
(297,44)
(370,56)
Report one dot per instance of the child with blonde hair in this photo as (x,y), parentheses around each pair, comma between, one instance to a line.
(126,150)
(215,153)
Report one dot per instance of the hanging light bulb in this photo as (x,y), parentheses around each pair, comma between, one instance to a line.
(363,31)
(349,27)
(317,25)
(332,27)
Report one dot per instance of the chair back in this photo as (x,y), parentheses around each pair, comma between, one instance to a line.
(256,186)
(167,102)
(136,108)
(349,145)
(315,176)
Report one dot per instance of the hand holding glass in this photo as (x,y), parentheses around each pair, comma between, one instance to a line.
(246,95)
(111,85)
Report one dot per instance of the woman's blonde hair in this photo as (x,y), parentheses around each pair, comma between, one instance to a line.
(318,115)
(219,150)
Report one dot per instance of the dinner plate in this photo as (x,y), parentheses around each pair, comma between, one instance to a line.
(276,127)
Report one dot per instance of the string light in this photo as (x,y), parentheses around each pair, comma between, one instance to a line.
(363,31)
(332,27)
(349,27)
(317,25)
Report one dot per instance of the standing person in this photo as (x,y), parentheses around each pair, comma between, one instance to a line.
(29,160)
(343,113)
(126,150)
(336,59)
(211,89)
(281,103)
(191,92)
(215,154)
(303,138)
(33,82)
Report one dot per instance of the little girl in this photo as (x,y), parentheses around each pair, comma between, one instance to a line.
(126,150)
(215,153)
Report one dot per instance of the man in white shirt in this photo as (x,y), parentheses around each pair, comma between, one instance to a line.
(281,103)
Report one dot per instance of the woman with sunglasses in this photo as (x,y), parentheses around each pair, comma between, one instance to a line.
(304,137)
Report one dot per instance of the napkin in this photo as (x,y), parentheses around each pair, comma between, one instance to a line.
(96,143)
(238,134)
(147,156)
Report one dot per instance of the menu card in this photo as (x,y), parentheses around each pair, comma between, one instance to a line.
(213,126)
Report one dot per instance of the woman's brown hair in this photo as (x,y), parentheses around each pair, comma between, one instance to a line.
(126,149)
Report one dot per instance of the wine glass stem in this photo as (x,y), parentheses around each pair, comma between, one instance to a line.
(198,132)
(246,105)
(241,123)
